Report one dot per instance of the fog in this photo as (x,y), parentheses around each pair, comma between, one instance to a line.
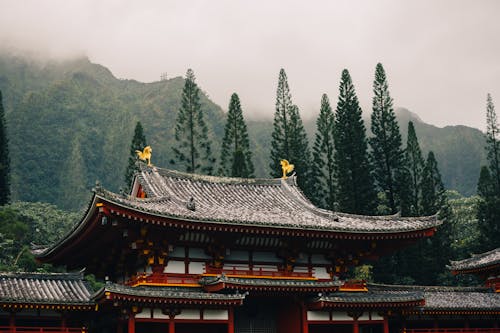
(441,57)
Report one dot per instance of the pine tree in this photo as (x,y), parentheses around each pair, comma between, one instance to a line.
(4,158)
(411,194)
(493,143)
(387,152)
(289,138)
(236,157)
(300,154)
(138,143)
(488,188)
(323,167)
(432,187)
(354,180)
(192,151)
(280,145)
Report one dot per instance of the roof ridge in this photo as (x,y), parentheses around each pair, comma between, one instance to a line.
(211,178)
(44,275)
(427,288)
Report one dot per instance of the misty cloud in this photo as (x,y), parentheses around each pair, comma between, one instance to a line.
(441,57)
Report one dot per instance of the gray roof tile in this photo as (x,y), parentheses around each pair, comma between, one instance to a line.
(481,260)
(449,298)
(256,202)
(53,288)
(168,293)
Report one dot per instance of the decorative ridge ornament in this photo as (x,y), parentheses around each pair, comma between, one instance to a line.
(286,167)
(145,155)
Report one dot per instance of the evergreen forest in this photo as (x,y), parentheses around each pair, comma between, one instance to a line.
(65,125)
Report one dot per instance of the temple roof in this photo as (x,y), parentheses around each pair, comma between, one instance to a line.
(477,261)
(448,298)
(254,202)
(47,288)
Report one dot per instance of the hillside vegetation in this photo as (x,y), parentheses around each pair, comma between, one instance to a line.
(70,123)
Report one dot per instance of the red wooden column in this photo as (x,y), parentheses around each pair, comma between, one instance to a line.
(12,322)
(230,322)
(63,321)
(171,325)
(131,323)
(355,325)
(305,325)
(386,324)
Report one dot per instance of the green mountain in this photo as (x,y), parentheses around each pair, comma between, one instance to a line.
(71,123)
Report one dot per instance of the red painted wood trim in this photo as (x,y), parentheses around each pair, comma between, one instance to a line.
(209,226)
(131,323)
(230,323)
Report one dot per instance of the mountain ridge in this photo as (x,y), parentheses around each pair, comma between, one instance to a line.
(62,112)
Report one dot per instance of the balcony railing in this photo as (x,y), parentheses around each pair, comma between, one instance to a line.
(258,272)
(163,279)
(20,329)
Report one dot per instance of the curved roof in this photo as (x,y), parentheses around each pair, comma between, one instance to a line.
(46,288)
(477,261)
(255,202)
(448,298)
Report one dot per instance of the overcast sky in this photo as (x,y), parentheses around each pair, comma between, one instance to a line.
(441,57)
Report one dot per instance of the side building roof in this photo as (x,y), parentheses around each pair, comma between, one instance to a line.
(477,262)
(51,289)
(448,299)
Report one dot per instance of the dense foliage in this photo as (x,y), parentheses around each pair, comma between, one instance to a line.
(24,225)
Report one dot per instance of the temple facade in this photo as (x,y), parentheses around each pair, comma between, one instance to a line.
(190,253)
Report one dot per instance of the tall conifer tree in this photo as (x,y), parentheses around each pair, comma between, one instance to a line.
(236,157)
(289,138)
(192,151)
(4,158)
(387,152)
(432,187)
(355,184)
(138,143)
(493,143)
(489,185)
(411,194)
(323,161)
(280,144)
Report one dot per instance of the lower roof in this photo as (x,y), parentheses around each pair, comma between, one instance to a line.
(476,262)
(166,295)
(448,298)
(46,288)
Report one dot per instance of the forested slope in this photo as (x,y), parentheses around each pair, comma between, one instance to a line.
(70,123)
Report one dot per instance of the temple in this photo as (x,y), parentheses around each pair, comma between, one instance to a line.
(189,253)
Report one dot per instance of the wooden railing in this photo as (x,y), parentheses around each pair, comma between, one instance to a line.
(20,329)
(257,272)
(163,279)
(451,330)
